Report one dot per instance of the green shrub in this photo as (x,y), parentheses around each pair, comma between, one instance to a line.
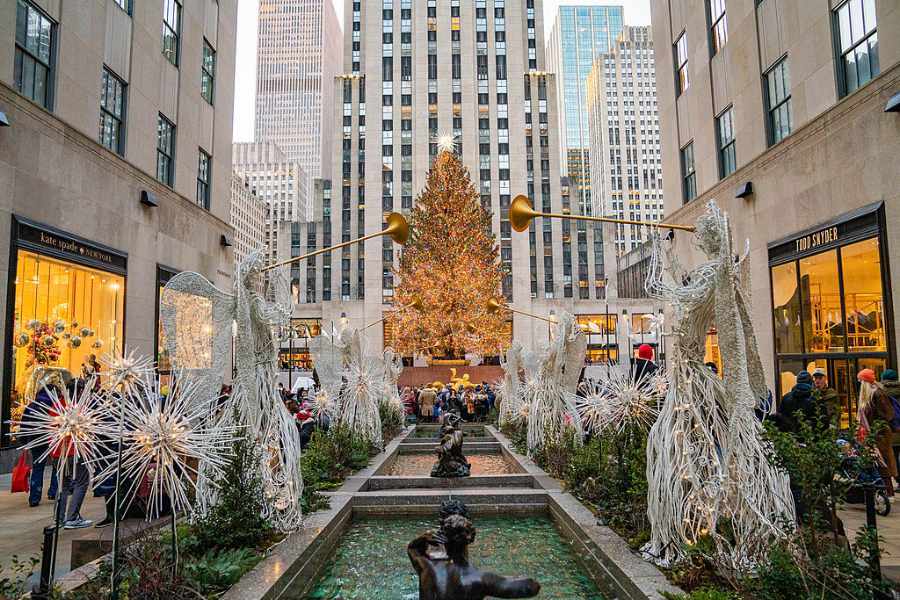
(218,570)
(391,420)
(328,459)
(236,520)
(706,593)
(18,572)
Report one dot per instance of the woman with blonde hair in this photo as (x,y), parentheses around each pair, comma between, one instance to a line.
(874,406)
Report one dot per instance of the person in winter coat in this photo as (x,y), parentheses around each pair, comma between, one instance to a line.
(38,460)
(826,396)
(798,401)
(426,403)
(644,365)
(874,406)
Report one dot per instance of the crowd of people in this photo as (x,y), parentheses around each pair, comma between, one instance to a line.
(299,405)
(426,404)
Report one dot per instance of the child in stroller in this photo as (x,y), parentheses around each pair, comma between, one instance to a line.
(861,473)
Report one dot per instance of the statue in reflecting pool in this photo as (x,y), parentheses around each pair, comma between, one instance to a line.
(441,560)
(451,462)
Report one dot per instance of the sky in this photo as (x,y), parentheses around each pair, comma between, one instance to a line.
(637,12)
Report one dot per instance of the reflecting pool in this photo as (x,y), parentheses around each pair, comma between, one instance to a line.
(370,562)
(421,465)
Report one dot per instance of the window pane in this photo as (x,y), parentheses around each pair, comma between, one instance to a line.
(874,65)
(844,26)
(856,20)
(786,314)
(863,297)
(852,78)
(21,23)
(823,323)
(869,15)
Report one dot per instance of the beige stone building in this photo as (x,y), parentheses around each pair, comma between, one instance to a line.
(115,171)
(279,181)
(248,218)
(777,110)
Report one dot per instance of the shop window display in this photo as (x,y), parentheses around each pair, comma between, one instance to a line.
(65,315)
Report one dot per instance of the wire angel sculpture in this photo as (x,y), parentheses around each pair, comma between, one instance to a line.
(705,454)
(509,391)
(620,402)
(392,365)
(165,436)
(551,376)
(197,321)
(363,389)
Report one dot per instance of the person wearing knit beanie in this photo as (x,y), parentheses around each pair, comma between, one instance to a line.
(643,364)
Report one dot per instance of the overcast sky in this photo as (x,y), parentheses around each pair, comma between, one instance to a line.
(637,12)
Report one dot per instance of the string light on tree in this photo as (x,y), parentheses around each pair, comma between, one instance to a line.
(452,264)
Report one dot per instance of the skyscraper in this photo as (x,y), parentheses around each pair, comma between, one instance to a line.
(297,46)
(580,35)
(626,165)
(280,182)
(475,70)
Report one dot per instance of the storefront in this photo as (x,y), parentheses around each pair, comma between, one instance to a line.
(163,362)
(65,308)
(831,303)
(294,354)
(603,338)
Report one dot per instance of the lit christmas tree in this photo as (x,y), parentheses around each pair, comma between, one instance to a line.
(452,264)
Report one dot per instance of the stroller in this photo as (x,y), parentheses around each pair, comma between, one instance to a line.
(859,475)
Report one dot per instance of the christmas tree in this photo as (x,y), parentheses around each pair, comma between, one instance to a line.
(451,263)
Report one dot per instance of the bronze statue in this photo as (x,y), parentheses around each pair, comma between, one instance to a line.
(441,559)
(451,462)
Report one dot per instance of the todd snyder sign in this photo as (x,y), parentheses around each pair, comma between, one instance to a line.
(827,236)
(67,247)
(850,227)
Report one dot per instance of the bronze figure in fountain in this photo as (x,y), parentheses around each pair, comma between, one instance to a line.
(451,462)
(441,560)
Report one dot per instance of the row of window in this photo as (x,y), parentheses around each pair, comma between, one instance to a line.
(34,59)
(855,27)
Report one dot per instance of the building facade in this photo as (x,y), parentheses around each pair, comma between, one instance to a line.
(248,218)
(280,182)
(777,110)
(623,117)
(298,45)
(580,36)
(477,71)
(115,171)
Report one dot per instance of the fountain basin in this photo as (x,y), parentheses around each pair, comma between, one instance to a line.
(371,556)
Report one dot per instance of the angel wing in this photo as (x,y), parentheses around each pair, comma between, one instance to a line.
(196,319)
(574,348)
(328,358)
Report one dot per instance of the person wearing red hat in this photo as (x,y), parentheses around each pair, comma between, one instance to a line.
(644,365)
(874,406)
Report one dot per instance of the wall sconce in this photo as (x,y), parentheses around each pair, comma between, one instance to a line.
(744,190)
(225,241)
(148,199)
(893,105)
(4,120)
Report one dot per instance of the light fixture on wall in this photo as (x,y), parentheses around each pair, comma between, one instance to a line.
(149,199)
(744,190)
(4,120)
(225,241)
(893,105)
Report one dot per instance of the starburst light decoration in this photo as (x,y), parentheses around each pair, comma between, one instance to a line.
(71,425)
(357,405)
(619,402)
(446,142)
(165,441)
(126,370)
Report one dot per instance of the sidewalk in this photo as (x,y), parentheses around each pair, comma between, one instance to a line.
(21,527)
(854,517)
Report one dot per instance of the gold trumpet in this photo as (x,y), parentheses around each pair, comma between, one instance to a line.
(521,213)
(397,228)
(493,306)
(416,304)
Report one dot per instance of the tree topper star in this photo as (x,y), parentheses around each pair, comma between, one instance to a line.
(446,142)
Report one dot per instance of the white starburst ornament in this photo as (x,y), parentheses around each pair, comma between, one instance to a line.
(166,441)
(73,424)
(619,402)
(126,370)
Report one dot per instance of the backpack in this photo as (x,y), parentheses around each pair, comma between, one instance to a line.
(895,421)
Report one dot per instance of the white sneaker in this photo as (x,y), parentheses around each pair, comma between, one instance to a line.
(79,523)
